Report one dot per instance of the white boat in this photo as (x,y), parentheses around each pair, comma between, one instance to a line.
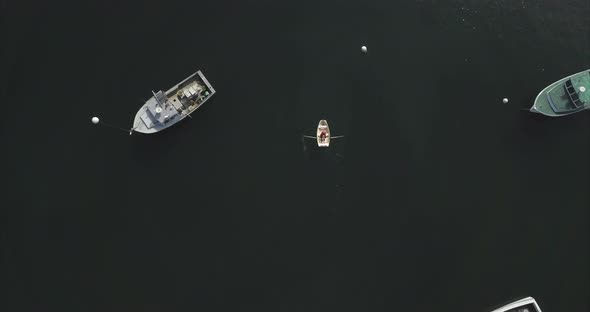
(323,136)
(527,304)
(165,109)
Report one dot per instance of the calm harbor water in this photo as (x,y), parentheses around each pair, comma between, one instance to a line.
(439,198)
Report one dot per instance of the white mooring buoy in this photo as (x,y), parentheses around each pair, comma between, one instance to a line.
(364,49)
(505,100)
(95,121)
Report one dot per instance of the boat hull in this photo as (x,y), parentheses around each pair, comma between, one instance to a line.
(528,304)
(323,128)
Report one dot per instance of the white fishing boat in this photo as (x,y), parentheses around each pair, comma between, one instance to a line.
(165,109)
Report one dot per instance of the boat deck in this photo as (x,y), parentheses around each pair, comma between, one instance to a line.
(175,103)
(582,81)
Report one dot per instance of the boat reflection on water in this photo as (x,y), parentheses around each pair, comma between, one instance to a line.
(527,304)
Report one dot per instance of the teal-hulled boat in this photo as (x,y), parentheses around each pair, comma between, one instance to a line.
(566,96)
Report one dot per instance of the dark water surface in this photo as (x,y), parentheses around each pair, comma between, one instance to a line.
(439,198)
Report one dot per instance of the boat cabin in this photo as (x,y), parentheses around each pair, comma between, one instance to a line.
(159,110)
